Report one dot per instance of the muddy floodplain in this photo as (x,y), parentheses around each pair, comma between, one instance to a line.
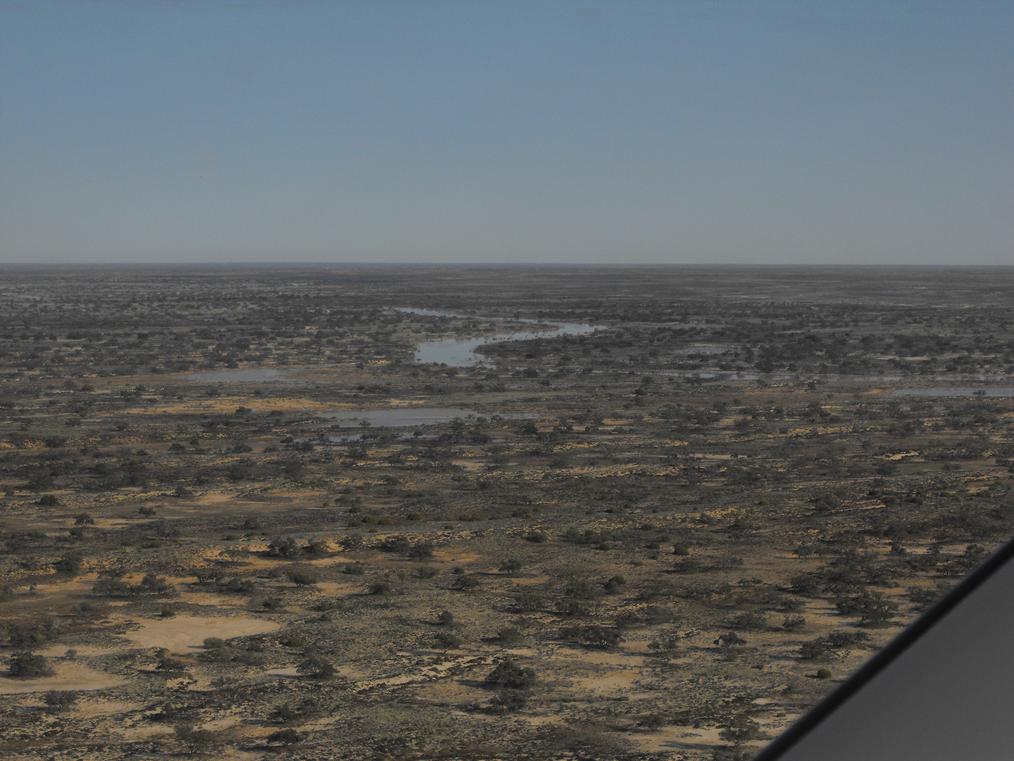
(479,513)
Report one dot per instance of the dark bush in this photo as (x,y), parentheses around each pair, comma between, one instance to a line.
(302,576)
(446,640)
(283,547)
(26,665)
(315,666)
(600,637)
(60,700)
(508,674)
(510,566)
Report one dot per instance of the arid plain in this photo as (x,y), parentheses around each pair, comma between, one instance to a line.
(479,512)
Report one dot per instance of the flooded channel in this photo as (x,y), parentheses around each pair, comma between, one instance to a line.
(463,352)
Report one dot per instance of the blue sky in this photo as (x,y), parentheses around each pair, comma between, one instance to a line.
(472,130)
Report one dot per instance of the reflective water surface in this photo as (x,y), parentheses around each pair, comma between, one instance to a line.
(461,352)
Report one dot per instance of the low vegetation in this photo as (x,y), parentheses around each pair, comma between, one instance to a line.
(240,520)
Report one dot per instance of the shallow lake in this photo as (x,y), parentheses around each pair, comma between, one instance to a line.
(461,352)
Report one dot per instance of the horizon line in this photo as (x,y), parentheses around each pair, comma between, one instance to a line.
(505,265)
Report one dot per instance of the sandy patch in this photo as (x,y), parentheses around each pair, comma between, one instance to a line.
(676,738)
(447,555)
(288,672)
(214,498)
(235,754)
(185,632)
(339,588)
(145,731)
(607,683)
(68,676)
(213,599)
(60,651)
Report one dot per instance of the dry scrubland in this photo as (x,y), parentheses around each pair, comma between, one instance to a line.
(661,540)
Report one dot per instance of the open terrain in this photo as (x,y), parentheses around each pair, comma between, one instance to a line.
(331,513)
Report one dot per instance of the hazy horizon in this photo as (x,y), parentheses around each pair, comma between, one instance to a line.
(572,133)
(278,264)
